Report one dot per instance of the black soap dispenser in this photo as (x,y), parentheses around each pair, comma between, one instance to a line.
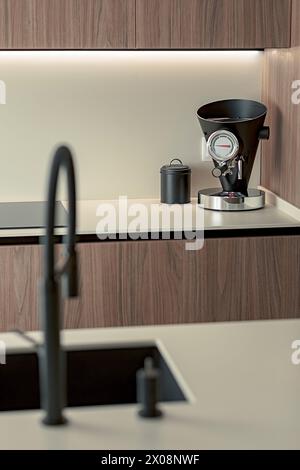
(148,382)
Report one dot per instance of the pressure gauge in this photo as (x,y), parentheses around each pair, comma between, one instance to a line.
(222,145)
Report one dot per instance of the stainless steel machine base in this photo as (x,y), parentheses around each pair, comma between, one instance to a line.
(218,200)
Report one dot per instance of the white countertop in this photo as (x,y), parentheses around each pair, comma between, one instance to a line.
(243,390)
(276,214)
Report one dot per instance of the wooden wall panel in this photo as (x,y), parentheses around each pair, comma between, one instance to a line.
(295,33)
(215,24)
(67,24)
(280,163)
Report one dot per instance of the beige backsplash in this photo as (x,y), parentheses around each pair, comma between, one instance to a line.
(124,113)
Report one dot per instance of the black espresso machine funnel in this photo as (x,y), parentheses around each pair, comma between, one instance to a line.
(232,129)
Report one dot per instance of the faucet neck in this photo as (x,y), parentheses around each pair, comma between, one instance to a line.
(62,159)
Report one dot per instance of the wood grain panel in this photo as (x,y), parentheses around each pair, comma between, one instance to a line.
(280,162)
(99,280)
(243,279)
(159,282)
(152,282)
(67,24)
(211,285)
(154,24)
(20,268)
(100,288)
(213,24)
(295,33)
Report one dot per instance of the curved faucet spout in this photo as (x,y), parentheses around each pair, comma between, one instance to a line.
(51,357)
(62,159)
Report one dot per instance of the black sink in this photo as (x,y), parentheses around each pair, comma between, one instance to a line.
(94,377)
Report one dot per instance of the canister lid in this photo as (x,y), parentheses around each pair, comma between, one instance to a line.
(175,166)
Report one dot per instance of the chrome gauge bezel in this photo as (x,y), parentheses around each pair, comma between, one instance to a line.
(216,135)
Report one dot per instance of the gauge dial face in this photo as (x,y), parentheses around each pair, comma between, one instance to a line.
(222,146)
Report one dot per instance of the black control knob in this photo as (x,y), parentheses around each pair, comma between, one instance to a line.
(264,133)
(216,172)
(148,382)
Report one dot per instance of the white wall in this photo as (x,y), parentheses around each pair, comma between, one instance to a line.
(124,113)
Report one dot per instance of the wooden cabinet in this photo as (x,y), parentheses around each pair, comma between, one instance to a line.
(100,287)
(20,268)
(230,279)
(236,279)
(125,283)
(144,24)
(152,282)
(67,24)
(99,282)
(212,24)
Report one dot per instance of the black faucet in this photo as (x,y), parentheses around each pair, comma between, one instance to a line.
(51,356)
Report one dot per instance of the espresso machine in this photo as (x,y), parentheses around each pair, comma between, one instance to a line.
(232,129)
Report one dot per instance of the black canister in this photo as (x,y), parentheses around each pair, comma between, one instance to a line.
(175,183)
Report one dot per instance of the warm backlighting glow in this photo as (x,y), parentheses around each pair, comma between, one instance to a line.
(108,55)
